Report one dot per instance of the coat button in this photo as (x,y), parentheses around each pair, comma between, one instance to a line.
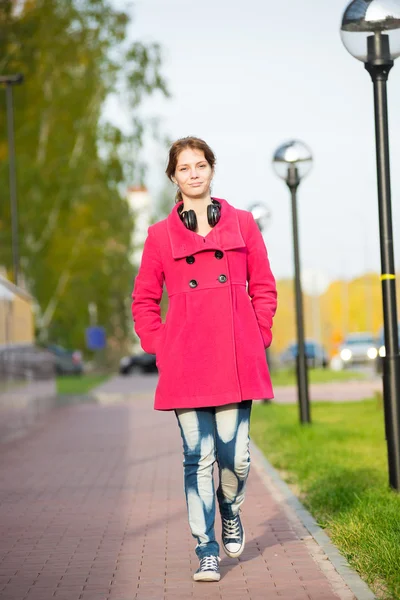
(193,283)
(222,278)
(190,260)
(219,254)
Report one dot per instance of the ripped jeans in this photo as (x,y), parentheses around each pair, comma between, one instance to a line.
(214,434)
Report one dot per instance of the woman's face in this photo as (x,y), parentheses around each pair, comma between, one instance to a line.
(193,174)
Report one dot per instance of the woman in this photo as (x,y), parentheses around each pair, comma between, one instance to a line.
(210,351)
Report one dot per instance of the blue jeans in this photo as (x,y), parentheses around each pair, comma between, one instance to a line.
(218,434)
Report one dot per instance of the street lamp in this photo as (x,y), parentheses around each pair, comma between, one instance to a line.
(370,31)
(292,161)
(8,81)
(262,214)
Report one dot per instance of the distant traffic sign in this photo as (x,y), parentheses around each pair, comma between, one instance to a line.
(95,338)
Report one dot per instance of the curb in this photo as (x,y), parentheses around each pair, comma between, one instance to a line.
(278,487)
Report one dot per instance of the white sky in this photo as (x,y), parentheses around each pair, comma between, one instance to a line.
(248,76)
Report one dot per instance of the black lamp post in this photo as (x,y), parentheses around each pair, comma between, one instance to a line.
(292,161)
(371,33)
(8,81)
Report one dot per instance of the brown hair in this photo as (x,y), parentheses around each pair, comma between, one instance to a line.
(187,142)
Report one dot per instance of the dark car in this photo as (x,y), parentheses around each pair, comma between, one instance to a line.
(68,362)
(144,362)
(315,354)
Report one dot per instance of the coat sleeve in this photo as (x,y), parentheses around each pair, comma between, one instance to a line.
(261,282)
(146,296)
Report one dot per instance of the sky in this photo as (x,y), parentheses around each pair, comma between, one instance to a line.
(249,76)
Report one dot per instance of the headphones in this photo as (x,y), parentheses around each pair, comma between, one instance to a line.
(188,217)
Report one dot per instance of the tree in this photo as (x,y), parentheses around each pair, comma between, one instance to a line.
(74,223)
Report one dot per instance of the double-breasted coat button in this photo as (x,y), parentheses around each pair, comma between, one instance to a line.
(219,254)
(193,283)
(222,278)
(190,260)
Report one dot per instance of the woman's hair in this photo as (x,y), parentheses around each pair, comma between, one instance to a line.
(187,142)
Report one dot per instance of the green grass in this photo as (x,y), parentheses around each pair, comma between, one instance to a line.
(338,466)
(80,384)
(288,376)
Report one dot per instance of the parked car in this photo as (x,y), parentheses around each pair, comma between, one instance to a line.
(358,348)
(382,349)
(68,362)
(316,355)
(26,362)
(144,362)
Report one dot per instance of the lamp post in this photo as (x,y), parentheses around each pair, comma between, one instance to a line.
(370,31)
(292,161)
(8,81)
(262,214)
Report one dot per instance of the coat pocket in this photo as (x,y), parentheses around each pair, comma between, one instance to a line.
(160,342)
(266,335)
(265,332)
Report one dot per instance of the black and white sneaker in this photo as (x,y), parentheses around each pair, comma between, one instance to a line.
(208,569)
(233,536)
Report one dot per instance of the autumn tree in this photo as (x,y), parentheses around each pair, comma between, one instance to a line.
(74,222)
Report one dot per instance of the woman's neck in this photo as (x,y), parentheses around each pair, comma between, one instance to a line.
(199,205)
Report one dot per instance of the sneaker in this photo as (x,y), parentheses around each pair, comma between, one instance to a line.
(233,536)
(208,569)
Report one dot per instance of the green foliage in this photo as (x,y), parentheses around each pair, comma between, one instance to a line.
(74,224)
(339,467)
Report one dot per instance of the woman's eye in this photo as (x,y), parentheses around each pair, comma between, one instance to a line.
(202,166)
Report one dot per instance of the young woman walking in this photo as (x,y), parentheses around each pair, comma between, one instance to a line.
(210,351)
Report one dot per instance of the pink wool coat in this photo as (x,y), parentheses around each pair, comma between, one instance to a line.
(222,298)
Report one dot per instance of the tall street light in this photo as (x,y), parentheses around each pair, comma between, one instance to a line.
(262,214)
(8,81)
(292,161)
(371,33)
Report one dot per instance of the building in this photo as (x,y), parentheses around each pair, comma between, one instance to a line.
(139,200)
(16,314)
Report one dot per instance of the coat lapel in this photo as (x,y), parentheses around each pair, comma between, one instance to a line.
(226,234)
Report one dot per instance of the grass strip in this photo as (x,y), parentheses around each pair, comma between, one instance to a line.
(79,384)
(288,376)
(338,468)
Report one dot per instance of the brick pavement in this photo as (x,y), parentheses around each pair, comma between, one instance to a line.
(338,391)
(92,508)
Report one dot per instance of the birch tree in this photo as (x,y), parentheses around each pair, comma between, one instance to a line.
(74,223)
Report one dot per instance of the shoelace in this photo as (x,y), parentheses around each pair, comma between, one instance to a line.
(231,528)
(209,563)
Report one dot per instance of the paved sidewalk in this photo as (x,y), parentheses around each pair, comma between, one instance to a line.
(334,391)
(338,391)
(92,508)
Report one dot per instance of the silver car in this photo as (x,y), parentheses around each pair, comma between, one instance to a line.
(358,348)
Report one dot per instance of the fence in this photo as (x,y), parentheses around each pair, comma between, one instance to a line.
(27,388)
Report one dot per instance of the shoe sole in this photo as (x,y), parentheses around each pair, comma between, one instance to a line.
(239,552)
(207,576)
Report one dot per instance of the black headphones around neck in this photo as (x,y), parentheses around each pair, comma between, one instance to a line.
(188,217)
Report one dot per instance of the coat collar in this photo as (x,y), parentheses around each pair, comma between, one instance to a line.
(226,234)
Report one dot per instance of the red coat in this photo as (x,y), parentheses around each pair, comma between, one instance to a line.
(211,349)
